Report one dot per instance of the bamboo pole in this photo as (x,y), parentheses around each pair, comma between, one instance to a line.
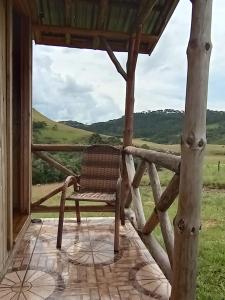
(187,221)
(166,228)
(168,161)
(54,163)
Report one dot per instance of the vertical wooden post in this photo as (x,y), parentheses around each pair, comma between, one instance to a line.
(129,108)
(9,33)
(26,105)
(187,221)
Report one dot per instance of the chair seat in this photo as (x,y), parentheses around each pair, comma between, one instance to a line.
(97,197)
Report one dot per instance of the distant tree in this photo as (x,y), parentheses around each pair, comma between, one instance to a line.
(95,138)
(39,125)
(113,140)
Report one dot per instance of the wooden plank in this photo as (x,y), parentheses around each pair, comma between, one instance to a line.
(54,163)
(187,221)
(25,114)
(168,161)
(166,228)
(3,132)
(87,42)
(59,147)
(9,30)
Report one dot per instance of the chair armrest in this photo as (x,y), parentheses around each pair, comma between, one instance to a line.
(70,180)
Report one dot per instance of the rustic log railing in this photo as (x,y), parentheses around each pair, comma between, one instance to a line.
(163,200)
(39,150)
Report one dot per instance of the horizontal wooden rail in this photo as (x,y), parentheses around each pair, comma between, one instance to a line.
(85,208)
(168,161)
(58,147)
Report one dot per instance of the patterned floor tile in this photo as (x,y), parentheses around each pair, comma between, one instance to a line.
(86,267)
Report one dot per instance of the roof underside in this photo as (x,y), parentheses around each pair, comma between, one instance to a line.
(83,23)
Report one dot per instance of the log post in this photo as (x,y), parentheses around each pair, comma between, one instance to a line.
(136,181)
(134,44)
(136,197)
(166,228)
(187,221)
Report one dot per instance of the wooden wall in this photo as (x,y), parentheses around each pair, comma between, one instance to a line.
(5,136)
(15,108)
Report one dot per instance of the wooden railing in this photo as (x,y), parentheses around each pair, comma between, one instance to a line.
(40,150)
(148,160)
(163,200)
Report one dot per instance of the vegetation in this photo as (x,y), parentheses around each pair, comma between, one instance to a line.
(48,131)
(161,126)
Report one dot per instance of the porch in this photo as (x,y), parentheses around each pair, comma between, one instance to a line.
(86,266)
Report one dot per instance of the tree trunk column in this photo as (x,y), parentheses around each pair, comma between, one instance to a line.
(187,221)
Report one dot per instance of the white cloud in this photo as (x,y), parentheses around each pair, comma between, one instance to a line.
(83,85)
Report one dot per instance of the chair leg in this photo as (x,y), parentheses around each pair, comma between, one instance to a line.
(117,226)
(78,212)
(61,219)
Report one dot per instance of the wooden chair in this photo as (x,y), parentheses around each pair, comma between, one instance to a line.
(99,182)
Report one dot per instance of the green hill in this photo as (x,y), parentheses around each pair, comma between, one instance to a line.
(48,131)
(161,126)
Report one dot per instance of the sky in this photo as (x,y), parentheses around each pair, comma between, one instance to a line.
(83,85)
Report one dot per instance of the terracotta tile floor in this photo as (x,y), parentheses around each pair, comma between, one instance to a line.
(86,267)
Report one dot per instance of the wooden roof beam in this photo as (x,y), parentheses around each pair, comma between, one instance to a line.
(145,38)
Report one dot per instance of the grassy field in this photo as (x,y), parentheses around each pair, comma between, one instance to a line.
(59,133)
